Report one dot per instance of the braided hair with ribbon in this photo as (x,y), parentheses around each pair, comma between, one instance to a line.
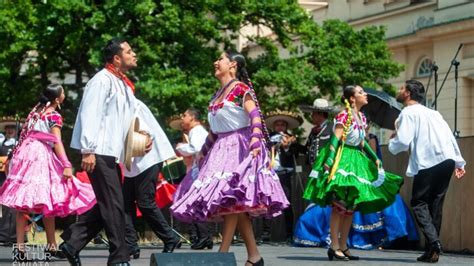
(48,95)
(243,76)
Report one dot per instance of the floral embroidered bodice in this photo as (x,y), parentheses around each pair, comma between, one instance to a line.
(47,121)
(356,134)
(229,115)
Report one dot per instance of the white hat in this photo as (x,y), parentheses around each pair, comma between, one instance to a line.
(319,105)
(135,143)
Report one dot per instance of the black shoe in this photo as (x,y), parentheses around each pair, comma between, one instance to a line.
(432,257)
(50,253)
(135,253)
(203,243)
(125,263)
(433,253)
(70,254)
(425,256)
(346,253)
(170,246)
(194,239)
(19,256)
(332,254)
(257,263)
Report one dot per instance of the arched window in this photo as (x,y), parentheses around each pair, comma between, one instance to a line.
(424,67)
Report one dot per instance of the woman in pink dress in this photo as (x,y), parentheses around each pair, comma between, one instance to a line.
(40,175)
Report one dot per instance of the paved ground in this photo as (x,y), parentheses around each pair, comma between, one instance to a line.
(274,255)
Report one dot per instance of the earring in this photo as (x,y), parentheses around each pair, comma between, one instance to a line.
(59,105)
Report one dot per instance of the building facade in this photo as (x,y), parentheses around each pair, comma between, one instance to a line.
(419,33)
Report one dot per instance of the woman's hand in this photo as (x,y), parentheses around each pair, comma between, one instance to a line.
(378,163)
(254,147)
(67,172)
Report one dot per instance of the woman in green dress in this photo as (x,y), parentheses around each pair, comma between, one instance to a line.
(348,174)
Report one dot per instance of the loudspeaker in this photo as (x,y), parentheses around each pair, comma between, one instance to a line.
(193,259)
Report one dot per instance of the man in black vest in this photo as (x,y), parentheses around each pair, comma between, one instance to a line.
(322,130)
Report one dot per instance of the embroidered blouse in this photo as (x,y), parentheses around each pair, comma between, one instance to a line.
(229,115)
(356,134)
(47,121)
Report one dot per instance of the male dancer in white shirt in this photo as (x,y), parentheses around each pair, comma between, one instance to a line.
(140,185)
(105,113)
(434,156)
(197,137)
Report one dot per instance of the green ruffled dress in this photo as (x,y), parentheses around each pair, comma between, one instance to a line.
(357,183)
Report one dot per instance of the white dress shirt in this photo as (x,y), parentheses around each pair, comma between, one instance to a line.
(197,138)
(104,116)
(161,148)
(428,137)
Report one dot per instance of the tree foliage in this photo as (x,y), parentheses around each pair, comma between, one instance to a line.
(177,42)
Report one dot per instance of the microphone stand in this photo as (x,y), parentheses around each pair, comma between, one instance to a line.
(434,69)
(445,77)
(456,65)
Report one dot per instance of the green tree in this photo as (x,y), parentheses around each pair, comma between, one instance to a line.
(335,55)
(176,43)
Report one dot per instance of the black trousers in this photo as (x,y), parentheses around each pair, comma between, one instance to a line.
(107,214)
(285,180)
(8,220)
(429,188)
(140,191)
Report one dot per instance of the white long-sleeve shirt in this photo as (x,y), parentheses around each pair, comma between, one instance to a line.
(428,137)
(197,138)
(105,113)
(161,148)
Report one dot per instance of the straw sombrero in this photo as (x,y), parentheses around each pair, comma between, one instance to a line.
(8,121)
(135,143)
(293,120)
(319,105)
(174,122)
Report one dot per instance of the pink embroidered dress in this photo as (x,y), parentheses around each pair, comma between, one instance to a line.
(35,182)
(230,179)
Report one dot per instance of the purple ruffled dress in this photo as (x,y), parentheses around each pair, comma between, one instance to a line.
(230,179)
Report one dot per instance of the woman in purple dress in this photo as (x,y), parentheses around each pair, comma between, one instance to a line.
(235,181)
